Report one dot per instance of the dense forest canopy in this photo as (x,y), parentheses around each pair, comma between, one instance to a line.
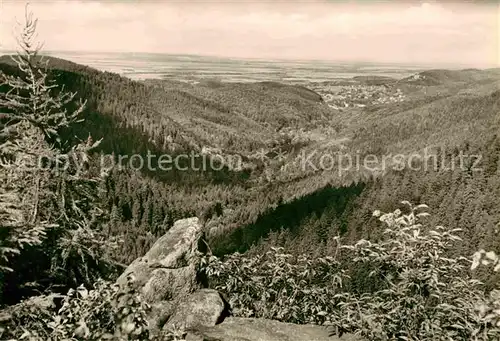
(244,119)
(75,226)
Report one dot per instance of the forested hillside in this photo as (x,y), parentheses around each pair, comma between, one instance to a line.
(292,232)
(244,205)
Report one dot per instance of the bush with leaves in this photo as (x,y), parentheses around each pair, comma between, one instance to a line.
(277,285)
(427,295)
(421,293)
(28,319)
(105,312)
(489,309)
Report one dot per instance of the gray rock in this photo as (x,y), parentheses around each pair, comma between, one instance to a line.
(204,308)
(167,272)
(168,284)
(250,329)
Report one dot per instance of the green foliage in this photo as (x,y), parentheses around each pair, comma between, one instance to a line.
(419,292)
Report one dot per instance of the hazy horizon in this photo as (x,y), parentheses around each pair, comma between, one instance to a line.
(408,33)
(68,53)
(423,65)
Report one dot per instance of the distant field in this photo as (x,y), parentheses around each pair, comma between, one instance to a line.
(194,68)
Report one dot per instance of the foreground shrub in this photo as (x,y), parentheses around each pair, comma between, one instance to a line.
(427,295)
(106,312)
(489,309)
(277,285)
(421,293)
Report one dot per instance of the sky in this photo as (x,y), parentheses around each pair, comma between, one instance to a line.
(434,32)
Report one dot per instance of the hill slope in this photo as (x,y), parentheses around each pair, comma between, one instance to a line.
(458,111)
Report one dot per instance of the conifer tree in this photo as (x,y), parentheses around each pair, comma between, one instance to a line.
(50,195)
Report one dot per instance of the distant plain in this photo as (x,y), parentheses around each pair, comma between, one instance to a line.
(194,68)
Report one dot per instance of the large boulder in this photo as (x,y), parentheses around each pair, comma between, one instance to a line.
(251,329)
(167,273)
(167,278)
(204,308)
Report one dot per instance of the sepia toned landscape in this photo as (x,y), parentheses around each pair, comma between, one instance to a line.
(249,192)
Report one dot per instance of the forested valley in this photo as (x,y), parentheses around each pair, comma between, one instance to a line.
(270,202)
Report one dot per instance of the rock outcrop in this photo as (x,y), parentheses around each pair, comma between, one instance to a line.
(167,273)
(250,329)
(167,278)
(204,308)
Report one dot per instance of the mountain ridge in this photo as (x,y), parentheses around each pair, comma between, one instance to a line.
(156,115)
